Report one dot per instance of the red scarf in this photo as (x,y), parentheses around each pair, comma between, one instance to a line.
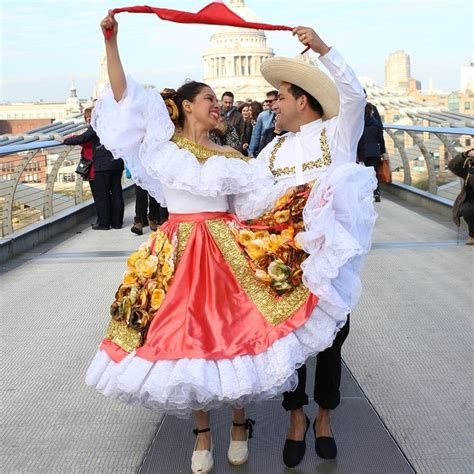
(216,13)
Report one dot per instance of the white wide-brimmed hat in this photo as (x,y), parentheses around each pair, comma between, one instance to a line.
(308,77)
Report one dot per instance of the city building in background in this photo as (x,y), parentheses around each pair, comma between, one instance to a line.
(232,60)
(103,80)
(397,70)
(467,77)
(17,118)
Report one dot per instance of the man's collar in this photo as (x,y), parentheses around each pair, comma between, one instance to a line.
(310,127)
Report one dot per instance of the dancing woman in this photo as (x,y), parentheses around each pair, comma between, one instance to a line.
(196,322)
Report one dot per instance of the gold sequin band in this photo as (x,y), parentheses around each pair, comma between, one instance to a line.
(123,335)
(203,153)
(325,160)
(275,309)
(184,232)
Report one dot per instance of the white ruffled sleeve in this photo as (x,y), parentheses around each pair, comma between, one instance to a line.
(339,217)
(124,126)
(255,203)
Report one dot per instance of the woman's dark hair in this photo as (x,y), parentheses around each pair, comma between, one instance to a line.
(256,109)
(297,92)
(368,111)
(242,106)
(188,91)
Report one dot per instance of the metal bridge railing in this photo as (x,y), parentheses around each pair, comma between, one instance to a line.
(419,156)
(37,181)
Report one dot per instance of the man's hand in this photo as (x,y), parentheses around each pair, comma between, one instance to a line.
(308,37)
(109,23)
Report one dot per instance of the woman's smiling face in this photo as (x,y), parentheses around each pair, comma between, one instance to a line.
(204,108)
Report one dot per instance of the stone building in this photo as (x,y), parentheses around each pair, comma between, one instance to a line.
(232,60)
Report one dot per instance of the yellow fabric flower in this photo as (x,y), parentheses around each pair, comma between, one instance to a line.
(255,249)
(160,240)
(141,254)
(157,298)
(146,268)
(246,236)
(261,234)
(281,201)
(130,278)
(281,216)
(288,234)
(167,270)
(168,250)
(273,243)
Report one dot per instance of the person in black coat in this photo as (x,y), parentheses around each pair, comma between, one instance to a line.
(371,145)
(107,182)
(462,165)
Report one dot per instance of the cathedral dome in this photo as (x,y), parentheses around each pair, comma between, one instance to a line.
(233,58)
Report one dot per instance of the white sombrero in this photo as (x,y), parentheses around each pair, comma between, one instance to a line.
(308,77)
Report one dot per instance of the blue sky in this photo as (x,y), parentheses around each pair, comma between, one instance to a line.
(46,43)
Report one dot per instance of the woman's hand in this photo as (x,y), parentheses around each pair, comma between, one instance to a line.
(109,24)
(308,37)
(58,137)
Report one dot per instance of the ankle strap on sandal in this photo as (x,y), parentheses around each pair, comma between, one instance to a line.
(205,430)
(248,423)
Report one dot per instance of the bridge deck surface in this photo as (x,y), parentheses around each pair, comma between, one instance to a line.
(409,351)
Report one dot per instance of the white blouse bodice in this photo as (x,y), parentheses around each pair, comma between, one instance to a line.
(184,202)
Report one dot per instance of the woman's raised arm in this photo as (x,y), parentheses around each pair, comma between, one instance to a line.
(114,65)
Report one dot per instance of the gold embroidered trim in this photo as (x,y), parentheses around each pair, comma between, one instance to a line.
(325,160)
(203,153)
(184,231)
(275,309)
(123,335)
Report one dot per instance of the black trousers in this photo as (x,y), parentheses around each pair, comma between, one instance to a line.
(92,186)
(146,208)
(374,161)
(327,378)
(109,198)
(467,211)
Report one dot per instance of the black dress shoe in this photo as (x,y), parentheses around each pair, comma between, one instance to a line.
(293,451)
(100,227)
(325,445)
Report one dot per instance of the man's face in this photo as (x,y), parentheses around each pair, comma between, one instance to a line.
(227,103)
(270,100)
(286,110)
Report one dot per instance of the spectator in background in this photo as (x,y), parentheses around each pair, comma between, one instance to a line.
(232,116)
(147,212)
(250,112)
(371,145)
(462,165)
(107,185)
(270,134)
(224,134)
(246,111)
(264,121)
(87,154)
